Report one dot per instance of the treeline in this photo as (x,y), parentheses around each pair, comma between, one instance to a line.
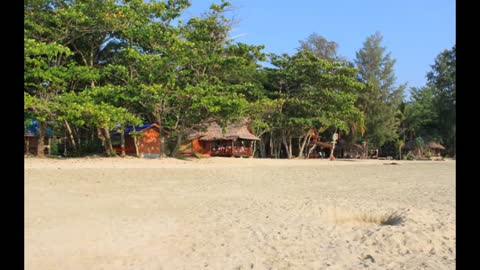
(97,66)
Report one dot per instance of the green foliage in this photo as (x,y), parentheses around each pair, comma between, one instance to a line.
(316,93)
(442,80)
(381,98)
(103,65)
(431,111)
(321,47)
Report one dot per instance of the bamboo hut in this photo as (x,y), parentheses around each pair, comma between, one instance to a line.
(235,140)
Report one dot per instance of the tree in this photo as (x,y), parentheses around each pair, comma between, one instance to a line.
(379,101)
(442,79)
(317,94)
(321,47)
(45,77)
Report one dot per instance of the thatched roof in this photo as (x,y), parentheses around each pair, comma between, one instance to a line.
(410,145)
(232,132)
(434,145)
(343,144)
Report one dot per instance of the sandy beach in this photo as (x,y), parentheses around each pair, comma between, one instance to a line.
(230,213)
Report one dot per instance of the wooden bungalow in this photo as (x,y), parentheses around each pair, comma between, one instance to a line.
(148,144)
(31,138)
(235,141)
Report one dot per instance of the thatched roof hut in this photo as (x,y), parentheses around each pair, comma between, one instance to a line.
(233,132)
(435,146)
(410,145)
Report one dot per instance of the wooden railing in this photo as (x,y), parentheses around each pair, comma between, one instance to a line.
(242,151)
(237,151)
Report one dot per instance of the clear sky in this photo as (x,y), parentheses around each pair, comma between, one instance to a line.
(414,31)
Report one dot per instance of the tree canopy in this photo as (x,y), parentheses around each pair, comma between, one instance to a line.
(95,67)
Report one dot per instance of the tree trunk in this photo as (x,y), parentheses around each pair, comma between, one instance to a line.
(77,133)
(303,144)
(101,137)
(136,143)
(108,142)
(287,142)
(122,143)
(41,138)
(290,154)
(272,146)
(310,150)
(177,145)
(162,137)
(278,149)
(70,135)
(261,147)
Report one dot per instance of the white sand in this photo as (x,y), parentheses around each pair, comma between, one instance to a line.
(227,213)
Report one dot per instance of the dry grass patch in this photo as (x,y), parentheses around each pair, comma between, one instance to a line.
(391,218)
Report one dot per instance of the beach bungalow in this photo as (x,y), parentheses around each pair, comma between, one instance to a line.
(345,149)
(435,148)
(148,144)
(31,138)
(236,140)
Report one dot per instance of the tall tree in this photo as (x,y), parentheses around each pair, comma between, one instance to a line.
(381,98)
(442,78)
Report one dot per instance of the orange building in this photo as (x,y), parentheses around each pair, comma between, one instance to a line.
(148,144)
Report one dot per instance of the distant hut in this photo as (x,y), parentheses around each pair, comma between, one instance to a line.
(31,138)
(235,140)
(344,149)
(435,148)
(148,144)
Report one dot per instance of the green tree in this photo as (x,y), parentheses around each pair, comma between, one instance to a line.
(379,101)
(442,79)
(321,47)
(45,77)
(317,94)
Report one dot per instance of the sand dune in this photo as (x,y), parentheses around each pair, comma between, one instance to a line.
(227,213)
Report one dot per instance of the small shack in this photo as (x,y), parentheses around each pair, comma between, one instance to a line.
(235,140)
(435,148)
(148,144)
(31,138)
(345,149)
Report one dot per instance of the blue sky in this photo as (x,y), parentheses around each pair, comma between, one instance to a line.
(414,31)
